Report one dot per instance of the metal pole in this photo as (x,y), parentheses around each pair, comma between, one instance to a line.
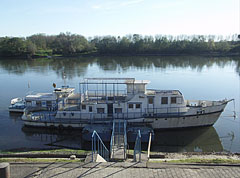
(98,146)
(149,144)
(92,148)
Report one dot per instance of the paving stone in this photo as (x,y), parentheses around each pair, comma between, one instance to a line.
(70,170)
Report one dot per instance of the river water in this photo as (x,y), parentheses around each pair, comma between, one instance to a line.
(196,77)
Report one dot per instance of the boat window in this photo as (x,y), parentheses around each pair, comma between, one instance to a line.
(138,106)
(29,103)
(38,103)
(130,106)
(173,100)
(179,100)
(83,107)
(90,108)
(49,103)
(164,100)
(100,110)
(150,100)
(118,110)
(43,103)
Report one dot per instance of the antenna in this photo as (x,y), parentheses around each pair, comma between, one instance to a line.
(239,20)
(64,79)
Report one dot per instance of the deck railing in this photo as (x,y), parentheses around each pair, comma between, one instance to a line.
(77,116)
(137,147)
(98,147)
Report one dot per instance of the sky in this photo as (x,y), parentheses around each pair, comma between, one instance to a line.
(90,18)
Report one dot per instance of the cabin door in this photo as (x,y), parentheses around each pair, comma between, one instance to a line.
(110,109)
(150,105)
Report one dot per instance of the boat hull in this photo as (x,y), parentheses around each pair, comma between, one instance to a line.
(193,118)
(184,121)
(15,110)
(156,123)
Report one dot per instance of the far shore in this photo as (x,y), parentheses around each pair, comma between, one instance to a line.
(122,55)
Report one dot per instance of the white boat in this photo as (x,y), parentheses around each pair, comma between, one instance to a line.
(40,101)
(17,105)
(101,100)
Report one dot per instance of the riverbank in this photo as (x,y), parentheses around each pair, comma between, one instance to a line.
(63,155)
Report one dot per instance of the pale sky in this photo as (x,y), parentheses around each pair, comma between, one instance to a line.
(119,17)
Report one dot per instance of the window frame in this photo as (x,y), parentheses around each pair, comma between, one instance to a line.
(173,100)
(101,109)
(164,100)
(130,104)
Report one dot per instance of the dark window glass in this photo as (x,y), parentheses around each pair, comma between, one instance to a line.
(164,100)
(130,106)
(83,107)
(173,100)
(138,106)
(150,100)
(90,108)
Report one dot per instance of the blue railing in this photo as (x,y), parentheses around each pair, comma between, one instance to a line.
(125,139)
(119,137)
(112,139)
(137,147)
(98,147)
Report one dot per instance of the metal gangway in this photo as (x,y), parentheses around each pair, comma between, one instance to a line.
(98,147)
(118,144)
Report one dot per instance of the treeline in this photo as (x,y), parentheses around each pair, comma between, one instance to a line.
(67,44)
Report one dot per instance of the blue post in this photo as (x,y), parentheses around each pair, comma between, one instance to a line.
(92,146)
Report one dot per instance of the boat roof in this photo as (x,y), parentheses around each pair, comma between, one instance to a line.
(114,81)
(39,96)
(137,82)
(167,92)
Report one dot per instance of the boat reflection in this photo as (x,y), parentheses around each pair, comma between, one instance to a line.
(54,138)
(203,139)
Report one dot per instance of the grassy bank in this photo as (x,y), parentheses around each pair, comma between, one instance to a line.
(200,161)
(54,151)
(39,160)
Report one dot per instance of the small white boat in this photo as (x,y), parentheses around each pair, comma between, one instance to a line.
(101,100)
(17,105)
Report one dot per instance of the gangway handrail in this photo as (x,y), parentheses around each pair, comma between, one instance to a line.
(99,147)
(125,139)
(112,138)
(137,147)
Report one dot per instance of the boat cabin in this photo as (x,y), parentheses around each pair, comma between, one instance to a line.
(121,98)
(48,100)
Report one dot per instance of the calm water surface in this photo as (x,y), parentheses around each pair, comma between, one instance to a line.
(195,77)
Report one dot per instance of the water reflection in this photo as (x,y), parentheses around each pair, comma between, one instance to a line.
(188,140)
(70,67)
(77,67)
(54,138)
